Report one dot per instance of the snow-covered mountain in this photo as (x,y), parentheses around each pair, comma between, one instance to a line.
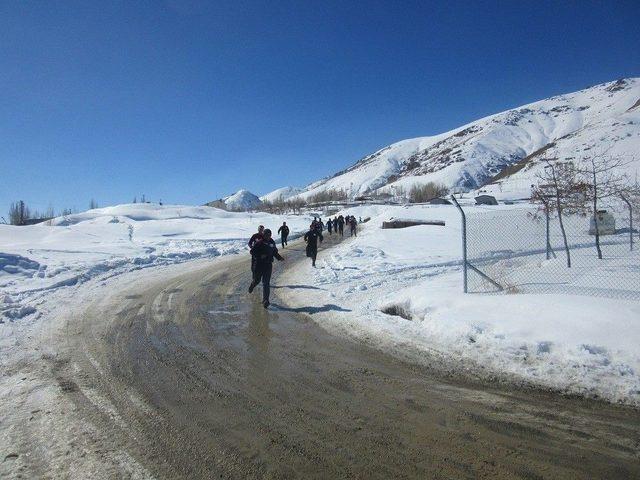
(572,126)
(242,200)
(281,194)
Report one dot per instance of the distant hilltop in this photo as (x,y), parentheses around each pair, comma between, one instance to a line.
(241,201)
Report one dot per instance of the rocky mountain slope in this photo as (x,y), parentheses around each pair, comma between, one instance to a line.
(507,144)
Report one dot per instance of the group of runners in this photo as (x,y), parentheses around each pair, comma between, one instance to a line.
(263,248)
(337,224)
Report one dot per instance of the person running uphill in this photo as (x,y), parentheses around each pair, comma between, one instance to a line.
(284,233)
(264,251)
(354,225)
(341,225)
(311,237)
(252,241)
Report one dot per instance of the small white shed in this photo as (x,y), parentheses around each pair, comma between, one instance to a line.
(606,223)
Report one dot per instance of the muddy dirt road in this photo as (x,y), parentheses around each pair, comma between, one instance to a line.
(189,377)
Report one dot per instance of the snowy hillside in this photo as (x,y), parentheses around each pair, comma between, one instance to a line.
(281,194)
(241,201)
(577,124)
(99,243)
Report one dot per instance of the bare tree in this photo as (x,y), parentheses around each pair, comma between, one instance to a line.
(428,191)
(400,193)
(330,195)
(267,206)
(50,212)
(296,204)
(276,206)
(605,176)
(560,190)
(19,213)
(631,196)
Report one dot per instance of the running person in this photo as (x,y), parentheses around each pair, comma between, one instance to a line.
(252,241)
(330,227)
(311,237)
(284,233)
(264,251)
(341,225)
(353,224)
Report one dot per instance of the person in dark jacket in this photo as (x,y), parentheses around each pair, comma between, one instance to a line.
(330,226)
(353,224)
(264,251)
(252,241)
(311,237)
(284,233)
(341,225)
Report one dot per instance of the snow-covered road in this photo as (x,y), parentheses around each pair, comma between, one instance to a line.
(399,289)
(175,372)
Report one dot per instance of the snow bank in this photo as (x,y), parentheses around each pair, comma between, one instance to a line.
(103,242)
(402,289)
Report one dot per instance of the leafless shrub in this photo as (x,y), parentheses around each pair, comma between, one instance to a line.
(331,195)
(427,191)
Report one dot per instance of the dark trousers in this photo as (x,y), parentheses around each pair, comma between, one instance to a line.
(283,239)
(353,232)
(263,273)
(312,253)
(341,228)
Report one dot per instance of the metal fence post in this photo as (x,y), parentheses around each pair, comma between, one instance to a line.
(546,214)
(630,221)
(464,243)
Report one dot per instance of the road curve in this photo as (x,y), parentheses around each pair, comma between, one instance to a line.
(192,378)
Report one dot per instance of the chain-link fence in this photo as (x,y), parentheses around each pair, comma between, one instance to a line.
(521,249)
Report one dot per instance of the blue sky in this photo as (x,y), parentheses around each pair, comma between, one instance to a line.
(188,100)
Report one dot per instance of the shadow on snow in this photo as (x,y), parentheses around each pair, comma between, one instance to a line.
(311,310)
(306,287)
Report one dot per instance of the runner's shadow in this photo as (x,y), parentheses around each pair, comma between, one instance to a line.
(306,287)
(311,310)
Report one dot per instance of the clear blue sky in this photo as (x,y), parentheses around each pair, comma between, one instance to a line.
(188,100)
